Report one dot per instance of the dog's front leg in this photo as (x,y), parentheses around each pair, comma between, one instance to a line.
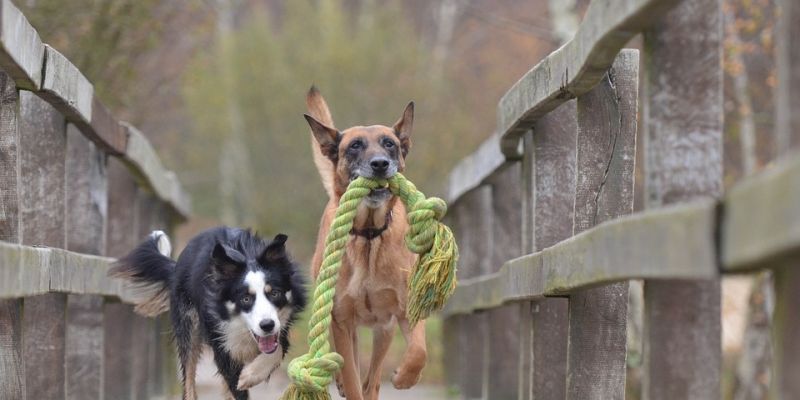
(230,370)
(415,357)
(260,369)
(343,342)
(381,340)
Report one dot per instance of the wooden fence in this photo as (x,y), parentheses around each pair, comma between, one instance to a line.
(76,187)
(549,251)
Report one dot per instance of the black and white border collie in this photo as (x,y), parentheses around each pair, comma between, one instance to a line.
(229,289)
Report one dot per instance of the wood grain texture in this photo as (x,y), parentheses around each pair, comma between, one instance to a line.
(504,321)
(472,224)
(122,210)
(606,150)
(86,217)
(9,157)
(471,171)
(12,365)
(117,350)
(683,144)
(65,87)
(42,162)
(672,243)
(576,67)
(554,194)
(22,52)
(787,102)
(104,130)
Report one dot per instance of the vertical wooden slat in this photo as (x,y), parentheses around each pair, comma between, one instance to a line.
(12,376)
(683,140)
(504,320)
(473,228)
(552,150)
(606,151)
(143,361)
(118,319)
(86,217)
(786,323)
(42,148)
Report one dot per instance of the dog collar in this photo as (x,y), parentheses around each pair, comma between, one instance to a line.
(372,233)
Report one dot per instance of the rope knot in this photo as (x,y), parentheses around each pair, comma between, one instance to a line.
(314,373)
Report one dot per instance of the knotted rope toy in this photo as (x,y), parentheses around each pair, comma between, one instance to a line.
(432,279)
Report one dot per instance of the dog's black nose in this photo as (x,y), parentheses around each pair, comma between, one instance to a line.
(379,164)
(267,325)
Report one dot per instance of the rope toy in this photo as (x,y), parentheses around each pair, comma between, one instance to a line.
(432,278)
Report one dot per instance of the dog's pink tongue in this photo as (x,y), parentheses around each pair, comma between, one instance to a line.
(268,344)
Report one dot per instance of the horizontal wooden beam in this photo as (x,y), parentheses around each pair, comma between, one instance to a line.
(670,243)
(576,67)
(21,49)
(29,271)
(761,225)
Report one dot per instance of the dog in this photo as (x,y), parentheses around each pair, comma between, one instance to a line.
(230,290)
(373,279)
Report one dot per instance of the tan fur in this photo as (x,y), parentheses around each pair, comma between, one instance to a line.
(318,109)
(372,284)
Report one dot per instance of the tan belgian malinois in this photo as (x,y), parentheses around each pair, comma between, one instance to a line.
(373,280)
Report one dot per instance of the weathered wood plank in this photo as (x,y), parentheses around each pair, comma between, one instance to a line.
(504,321)
(471,171)
(576,67)
(142,158)
(683,144)
(672,243)
(42,146)
(117,350)
(9,143)
(122,210)
(22,51)
(104,130)
(472,225)
(12,366)
(554,195)
(86,217)
(606,151)
(65,87)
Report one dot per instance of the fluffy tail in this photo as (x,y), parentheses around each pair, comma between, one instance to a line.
(150,268)
(318,108)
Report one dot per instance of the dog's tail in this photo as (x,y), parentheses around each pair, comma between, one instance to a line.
(150,267)
(318,108)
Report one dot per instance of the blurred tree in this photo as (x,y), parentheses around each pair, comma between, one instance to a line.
(368,65)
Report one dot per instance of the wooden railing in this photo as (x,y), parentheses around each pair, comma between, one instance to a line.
(77,188)
(549,250)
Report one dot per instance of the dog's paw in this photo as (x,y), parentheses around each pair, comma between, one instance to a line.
(340,385)
(249,378)
(405,378)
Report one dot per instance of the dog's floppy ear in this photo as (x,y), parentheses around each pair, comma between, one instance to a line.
(403,126)
(327,137)
(227,261)
(275,251)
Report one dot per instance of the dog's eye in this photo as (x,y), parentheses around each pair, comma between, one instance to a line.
(388,144)
(247,299)
(274,294)
(357,145)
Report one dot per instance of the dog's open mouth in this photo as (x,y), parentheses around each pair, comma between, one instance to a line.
(267,344)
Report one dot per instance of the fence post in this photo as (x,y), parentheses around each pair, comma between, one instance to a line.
(473,227)
(12,368)
(786,324)
(87,202)
(42,146)
(550,184)
(504,320)
(118,317)
(606,149)
(683,144)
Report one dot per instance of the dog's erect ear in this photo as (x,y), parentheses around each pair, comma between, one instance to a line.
(227,261)
(403,126)
(327,137)
(275,251)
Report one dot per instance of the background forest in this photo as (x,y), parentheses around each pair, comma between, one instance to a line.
(218,86)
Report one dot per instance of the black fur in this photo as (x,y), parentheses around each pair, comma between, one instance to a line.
(208,275)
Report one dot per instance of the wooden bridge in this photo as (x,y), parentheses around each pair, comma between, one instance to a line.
(543,214)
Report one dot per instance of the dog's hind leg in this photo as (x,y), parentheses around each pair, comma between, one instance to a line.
(343,343)
(189,347)
(381,340)
(408,373)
